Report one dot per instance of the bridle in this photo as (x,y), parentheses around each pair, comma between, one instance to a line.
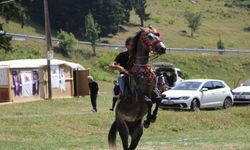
(149,45)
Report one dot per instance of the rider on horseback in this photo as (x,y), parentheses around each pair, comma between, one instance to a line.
(121,63)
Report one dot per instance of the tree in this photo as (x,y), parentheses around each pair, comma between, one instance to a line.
(127,7)
(13,11)
(140,9)
(92,31)
(108,14)
(70,16)
(5,40)
(67,42)
(194,21)
(220,45)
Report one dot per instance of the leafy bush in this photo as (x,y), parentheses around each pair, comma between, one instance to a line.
(5,40)
(67,42)
(105,60)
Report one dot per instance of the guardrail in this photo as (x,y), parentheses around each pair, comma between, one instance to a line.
(123,47)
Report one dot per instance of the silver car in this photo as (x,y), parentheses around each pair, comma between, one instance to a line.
(242,93)
(199,93)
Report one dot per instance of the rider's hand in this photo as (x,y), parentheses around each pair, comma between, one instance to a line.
(121,69)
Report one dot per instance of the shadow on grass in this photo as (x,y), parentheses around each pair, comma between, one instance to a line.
(204,109)
(247,29)
(59,51)
(242,105)
(132,25)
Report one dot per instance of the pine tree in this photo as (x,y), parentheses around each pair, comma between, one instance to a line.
(127,8)
(13,11)
(108,14)
(140,9)
(92,31)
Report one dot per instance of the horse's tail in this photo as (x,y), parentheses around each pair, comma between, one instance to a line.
(112,136)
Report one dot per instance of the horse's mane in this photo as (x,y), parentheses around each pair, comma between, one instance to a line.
(133,53)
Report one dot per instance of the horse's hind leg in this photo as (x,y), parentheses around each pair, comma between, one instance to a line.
(136,134)
(123,132)
(146,122)
(112,136)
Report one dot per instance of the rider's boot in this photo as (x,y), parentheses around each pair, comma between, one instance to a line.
(148,95)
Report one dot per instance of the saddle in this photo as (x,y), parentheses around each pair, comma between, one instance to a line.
(139,72)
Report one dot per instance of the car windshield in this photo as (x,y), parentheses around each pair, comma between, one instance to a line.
(247,83)
(188,86)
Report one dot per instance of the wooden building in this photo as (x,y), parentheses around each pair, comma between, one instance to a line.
(27,80)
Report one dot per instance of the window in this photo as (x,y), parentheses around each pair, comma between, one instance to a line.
(187,86)
(208,85)
(180,74)
(218,85)
(247,83)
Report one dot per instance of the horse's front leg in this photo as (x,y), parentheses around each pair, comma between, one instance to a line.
(157,104)
(155,112)
(146,122)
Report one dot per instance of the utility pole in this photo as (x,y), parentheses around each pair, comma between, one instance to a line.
(48,45)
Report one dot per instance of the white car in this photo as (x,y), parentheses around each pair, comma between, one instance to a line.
(242,93)
(199,93)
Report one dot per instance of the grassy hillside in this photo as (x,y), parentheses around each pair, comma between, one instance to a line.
(168,17)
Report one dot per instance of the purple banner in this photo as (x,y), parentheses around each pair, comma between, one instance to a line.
(36,83)
(16,83)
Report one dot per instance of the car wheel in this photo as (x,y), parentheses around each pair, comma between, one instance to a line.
(227,103)
(195,105)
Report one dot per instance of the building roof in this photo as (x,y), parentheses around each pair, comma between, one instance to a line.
(37,63)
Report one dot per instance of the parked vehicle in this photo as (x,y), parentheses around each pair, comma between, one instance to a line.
(172,75)
(242,93)
(198,93)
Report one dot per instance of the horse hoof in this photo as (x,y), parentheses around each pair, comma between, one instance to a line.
(153,119)
(146,124)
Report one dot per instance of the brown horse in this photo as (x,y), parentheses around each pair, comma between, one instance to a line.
(131,110)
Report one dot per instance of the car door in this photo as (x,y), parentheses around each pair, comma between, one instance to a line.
(220,93)
(207,97)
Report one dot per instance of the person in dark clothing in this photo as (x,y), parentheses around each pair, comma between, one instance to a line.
(116,92)
(121,64)
(93,86)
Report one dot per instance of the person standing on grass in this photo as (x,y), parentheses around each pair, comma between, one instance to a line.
(116,92)
(93,86)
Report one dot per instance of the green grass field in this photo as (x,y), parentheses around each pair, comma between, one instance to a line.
(70,125)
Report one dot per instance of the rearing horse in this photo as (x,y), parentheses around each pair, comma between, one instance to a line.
(131,110)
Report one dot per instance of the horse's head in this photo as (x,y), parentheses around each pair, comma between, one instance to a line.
(150,40)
